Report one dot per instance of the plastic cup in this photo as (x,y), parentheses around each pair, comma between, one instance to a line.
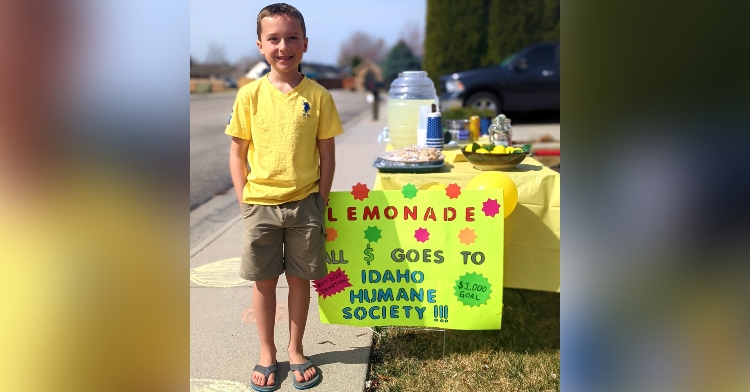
(435,137)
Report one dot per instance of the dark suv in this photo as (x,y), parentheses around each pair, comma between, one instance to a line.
(524,81)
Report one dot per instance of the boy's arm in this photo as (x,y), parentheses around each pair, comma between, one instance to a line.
(327,148)
(238,165)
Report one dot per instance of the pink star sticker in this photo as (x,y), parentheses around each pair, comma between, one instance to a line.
(333,283)
(491,207)
(360,192)
(453,191)
(421,234)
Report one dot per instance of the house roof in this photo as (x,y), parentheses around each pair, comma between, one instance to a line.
(257,70)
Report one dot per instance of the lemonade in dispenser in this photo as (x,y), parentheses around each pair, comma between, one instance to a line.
(408,92)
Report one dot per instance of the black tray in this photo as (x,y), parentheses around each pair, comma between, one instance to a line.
(387,166)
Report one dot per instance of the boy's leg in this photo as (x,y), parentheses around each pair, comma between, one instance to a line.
(263,262)
(304,260)
(299,303)
(264,305)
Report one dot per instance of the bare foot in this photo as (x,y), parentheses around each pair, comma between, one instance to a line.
(297,358)
(259,379)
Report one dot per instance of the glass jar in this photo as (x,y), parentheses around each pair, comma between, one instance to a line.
(408,93)
(500,131)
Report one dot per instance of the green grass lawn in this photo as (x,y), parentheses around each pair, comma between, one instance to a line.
(523,356)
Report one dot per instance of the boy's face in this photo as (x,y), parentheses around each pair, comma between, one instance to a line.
(282,42)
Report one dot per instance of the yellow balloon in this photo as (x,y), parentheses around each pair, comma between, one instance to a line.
(497,180)
(433,186)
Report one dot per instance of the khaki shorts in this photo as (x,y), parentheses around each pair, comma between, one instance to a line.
(286,238)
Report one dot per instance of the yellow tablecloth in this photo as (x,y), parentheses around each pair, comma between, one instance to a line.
(532,231)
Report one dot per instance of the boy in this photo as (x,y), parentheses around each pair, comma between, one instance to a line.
(283,125)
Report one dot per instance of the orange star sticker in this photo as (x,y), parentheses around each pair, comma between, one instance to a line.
(331,234)
(467,236)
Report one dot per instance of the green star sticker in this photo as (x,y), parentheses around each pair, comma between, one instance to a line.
(409,191)
(372,234)
(473,289)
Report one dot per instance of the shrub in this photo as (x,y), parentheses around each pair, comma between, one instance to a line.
(465,113)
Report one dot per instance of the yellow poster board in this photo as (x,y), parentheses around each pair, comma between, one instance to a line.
(413,258)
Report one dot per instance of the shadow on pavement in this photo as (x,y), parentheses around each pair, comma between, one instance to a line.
(356,355)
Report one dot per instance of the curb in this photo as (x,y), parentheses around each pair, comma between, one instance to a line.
(213,236)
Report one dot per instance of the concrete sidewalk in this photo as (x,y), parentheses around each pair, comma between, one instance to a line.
(223,337)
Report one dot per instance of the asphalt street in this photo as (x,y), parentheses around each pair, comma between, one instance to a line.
(209,146)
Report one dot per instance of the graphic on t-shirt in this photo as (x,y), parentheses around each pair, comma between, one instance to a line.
(230,117)
(305,109)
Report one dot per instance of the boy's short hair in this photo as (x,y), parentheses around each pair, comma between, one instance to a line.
(281,9)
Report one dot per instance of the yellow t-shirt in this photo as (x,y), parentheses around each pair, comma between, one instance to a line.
(283,130)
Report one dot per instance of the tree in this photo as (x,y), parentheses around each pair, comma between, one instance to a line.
(480,33)
(356,60)
(456,36)
(216,54)
(400,59)
(515,24)
(362,45)
(411,34)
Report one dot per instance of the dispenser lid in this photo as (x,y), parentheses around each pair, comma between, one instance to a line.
(412,85)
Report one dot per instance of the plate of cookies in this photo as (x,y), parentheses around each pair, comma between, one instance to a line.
(412,159)
(414,154)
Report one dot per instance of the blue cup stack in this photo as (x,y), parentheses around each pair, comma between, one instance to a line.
(435,136)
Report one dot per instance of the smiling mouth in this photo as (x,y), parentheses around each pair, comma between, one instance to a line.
(284,57)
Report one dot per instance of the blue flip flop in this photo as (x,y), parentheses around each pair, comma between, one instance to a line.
(301,368)
(265,371)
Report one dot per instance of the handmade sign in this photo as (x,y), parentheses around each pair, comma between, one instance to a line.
(414,258)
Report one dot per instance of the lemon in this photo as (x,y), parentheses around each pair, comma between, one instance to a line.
(517,150)
(482,151)
(509,150)
(498,151)
(468,148)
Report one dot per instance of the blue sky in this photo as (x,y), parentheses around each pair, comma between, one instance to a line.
(232,24)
